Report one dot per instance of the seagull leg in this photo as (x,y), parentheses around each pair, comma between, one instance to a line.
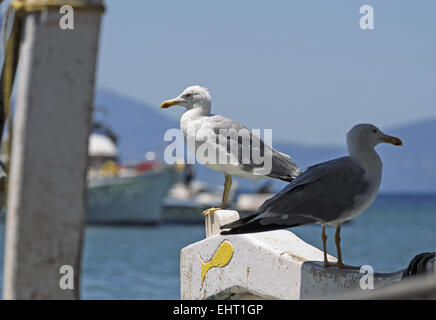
(340,264)
(227,187)
(324,246)
(338,244)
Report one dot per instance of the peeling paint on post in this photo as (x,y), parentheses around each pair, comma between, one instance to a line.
(47,190)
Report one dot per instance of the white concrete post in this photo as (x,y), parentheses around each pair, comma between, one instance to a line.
(47,190)
(264,265)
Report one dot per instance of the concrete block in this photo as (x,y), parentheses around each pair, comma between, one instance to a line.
(264,265)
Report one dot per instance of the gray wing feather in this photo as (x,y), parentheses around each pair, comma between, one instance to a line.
(239,138)
(319,195)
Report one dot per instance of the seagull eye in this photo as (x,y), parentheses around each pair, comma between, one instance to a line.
(187,95)
(374,131)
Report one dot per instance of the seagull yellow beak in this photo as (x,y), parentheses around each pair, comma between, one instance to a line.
(393,140)
(169,103)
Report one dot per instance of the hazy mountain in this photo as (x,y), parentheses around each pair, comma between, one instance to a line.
(141,128)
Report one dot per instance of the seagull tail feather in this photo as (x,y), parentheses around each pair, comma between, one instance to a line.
(287,178)
(283,167)
(239,222)
(256,226)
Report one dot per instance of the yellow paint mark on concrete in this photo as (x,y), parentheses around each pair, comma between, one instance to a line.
(220,259)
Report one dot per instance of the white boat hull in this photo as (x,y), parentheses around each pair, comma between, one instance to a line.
(129,200)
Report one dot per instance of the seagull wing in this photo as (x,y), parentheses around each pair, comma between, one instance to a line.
(319,195)
(245,149)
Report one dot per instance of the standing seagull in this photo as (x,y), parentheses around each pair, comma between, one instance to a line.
(328,193)
(217,133)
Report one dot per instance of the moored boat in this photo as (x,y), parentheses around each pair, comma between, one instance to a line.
(129,193)
(135,199)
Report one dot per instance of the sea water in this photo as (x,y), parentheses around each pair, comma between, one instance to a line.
(143,262)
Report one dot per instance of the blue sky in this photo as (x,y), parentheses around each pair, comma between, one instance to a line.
(303,68)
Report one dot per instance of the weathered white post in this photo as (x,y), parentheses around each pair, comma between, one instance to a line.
(265,265)
(47,186)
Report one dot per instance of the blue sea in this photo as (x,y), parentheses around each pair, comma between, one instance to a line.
(143,262)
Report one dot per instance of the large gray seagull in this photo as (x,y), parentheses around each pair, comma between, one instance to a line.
(218,133)
(328,193)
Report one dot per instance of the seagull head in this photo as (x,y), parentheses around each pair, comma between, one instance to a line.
(364,136)
(192,97)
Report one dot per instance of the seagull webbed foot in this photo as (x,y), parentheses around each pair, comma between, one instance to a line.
(210,211)
(344,266)
(340,265)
